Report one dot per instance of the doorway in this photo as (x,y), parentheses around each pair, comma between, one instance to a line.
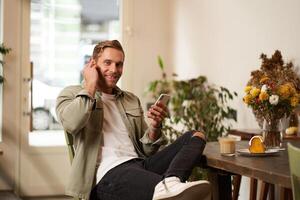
(62,36)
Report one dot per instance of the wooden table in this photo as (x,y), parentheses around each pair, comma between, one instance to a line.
(271,169)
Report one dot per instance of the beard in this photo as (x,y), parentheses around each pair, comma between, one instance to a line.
(108,82)
(111,80)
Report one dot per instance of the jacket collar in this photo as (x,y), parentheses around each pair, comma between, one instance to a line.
(116,91)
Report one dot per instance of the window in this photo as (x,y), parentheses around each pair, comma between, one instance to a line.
(63,34)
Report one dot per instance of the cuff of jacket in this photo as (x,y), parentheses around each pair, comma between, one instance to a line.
(85,93)
(146,140)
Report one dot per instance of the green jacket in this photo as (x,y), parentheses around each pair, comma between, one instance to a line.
(82,116)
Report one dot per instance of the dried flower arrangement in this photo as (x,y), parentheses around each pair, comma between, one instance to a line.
(274,90)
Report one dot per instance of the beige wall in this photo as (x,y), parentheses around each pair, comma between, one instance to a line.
(220,39)
(146,26)
(224,39)
(12,37)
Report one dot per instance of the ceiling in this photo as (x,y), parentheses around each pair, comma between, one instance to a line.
(97,11)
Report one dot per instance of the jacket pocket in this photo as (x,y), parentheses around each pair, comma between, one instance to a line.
(135,118)
(135,112)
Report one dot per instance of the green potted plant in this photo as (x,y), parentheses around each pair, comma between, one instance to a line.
(3,51)
(195,105)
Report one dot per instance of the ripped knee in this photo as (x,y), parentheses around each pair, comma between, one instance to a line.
(199,134)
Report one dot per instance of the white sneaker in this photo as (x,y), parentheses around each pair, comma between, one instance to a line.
(172,188)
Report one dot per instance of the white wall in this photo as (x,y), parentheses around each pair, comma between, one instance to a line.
(145,30)
(219,39)
(224,39)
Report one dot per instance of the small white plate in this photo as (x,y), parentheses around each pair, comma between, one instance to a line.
(268,152)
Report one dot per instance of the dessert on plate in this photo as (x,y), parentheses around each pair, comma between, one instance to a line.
(256,145)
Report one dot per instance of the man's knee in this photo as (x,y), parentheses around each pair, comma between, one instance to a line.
(199,134)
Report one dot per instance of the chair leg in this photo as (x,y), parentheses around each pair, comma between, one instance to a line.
(253,188)
(236,182)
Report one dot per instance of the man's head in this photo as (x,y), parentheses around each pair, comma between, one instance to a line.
(109,57)
(99,48)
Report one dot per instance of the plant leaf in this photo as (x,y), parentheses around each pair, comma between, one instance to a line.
(160,63)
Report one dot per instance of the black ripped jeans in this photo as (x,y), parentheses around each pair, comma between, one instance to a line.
(137,178)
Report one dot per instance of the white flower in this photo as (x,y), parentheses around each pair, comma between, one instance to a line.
(187,103)
(274,99)
(264,88)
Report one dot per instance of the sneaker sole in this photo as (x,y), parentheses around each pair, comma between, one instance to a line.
(196,192)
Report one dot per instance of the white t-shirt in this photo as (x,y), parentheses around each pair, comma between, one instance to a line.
(117,147)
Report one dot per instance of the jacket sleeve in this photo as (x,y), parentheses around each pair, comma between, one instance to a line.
(150,147)
(73,108)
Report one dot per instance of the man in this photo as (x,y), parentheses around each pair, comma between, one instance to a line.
(116,152)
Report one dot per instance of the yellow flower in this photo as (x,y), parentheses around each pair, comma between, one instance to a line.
(264,79)
(247,98)
(286,90)
(248,88)
(294,101)
(292,90)
(254,92)
(263,96)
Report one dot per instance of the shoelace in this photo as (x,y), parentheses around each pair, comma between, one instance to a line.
(164,183)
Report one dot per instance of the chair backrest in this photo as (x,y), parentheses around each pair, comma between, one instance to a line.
(70,144)
(294,161)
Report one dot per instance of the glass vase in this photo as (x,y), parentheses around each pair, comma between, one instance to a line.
(272,133)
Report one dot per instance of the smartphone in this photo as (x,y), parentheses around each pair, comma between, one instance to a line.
(163,98)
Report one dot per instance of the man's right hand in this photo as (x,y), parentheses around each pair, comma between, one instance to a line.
(91,77)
